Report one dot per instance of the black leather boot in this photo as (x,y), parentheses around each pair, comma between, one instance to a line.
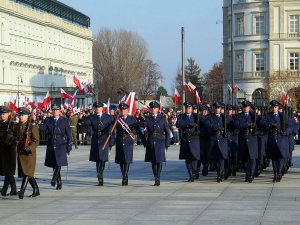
(59,182)
(13,187)
(100,169)
(125,174)
(5,185)
(56,172)
(205,170)
(158,171)
(35,187)
(23,187)
(192,176)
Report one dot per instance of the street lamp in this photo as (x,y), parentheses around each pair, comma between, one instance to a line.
(20,79)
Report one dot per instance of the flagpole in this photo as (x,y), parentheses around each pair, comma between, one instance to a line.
(232,54)
(182,63)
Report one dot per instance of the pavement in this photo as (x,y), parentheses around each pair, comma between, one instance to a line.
(176,201)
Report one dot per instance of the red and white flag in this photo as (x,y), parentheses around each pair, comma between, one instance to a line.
(235,89)
(283,97)
(108,107)
(198,100)
(189,86)
(45,103)
(130,101)
(90,87)
(64,94)
(161,105)
(176,96)
(78,83)
(12,105)
(123,99)
(31,104)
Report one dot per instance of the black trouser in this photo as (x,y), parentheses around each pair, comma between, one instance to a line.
(56,173)
(156,169)
(124,169)
(100,165)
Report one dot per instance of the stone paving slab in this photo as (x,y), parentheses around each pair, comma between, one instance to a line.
(176,201)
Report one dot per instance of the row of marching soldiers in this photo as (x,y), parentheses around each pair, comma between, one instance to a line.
(225,140)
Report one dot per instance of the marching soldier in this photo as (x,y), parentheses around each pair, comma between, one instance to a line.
(59,144)
(189,140)
(27,141)
(73,119)
(157,140)
(218,141)
(233,142)
(204,141)
(7,151)
(262,140)
(278,142)
(126,127)
(245,122)
(101,125)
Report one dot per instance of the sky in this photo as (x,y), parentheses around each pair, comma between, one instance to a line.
(159,23)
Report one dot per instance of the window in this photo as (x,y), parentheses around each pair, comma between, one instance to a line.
(239,62)
(240,25)
(260,25)
(294,61)
(260,62)
(294,24)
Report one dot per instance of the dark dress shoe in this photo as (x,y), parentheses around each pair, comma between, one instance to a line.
(191,179)
(197,176)
(251,178)
(205,171)
(100,181)
(279,177)
(53,183)
(125,182)
(234,172)
(275,178)
(157,182)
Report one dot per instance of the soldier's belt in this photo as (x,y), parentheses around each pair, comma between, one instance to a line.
(73,126)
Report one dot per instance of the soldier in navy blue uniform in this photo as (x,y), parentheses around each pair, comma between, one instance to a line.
(204,142)
(278,142)
(262,140)
(189,140)
(218,141)
(233,143)
(59,144)
(158,139)
(101,124)
(124,141)
(246,123)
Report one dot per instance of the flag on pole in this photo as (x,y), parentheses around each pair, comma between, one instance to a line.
(108,107)
(123,99)
(12,105)
(189,86)
(64,94)
(235,89)
(283,96)
(229,88)
(175,96)
(78,83)
(130,101)
(45,103)
(198,100)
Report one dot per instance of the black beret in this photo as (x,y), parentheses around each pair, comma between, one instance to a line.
(98,104)
(154,104)
(23,111)
(246,103)
(275,103)
(55,107)
(188,104)
(4,109)
(123,105)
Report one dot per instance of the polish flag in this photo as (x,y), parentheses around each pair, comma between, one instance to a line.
(46,102)
(189,86)
(130,101)
(12,105)
(78,83)
(31,104)
(64,94)
(161,106)
(198,100)
(123,99)
(175,96)
(283,97)
(108,107)
(235,89)
(90,88)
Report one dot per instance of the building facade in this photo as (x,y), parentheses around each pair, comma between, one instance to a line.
(43,43)
(266,48)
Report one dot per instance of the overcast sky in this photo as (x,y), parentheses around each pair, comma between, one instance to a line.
(159,22)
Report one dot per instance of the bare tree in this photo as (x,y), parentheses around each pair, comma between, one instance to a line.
(152,78)
(119,63)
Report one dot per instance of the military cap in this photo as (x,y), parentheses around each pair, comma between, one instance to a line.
(195,106)
(4,109)
(246,103)
(98,104)
(223,105)
(123,105)
(55,107)
(230,107)
(23,111)
(154,104)
(188,104)
(275,103)
(204,107)
(218,105)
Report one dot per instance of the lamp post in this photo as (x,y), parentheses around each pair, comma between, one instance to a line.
(20,79)
(183,63)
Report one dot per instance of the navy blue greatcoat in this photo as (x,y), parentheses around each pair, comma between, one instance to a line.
(278,144)
(124,143)
(101,128)
(157,138)
(218,143)
(59,142)
(189,140)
